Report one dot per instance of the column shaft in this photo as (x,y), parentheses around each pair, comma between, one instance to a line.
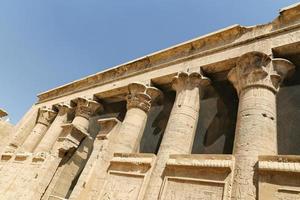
(81,122)
(66,177)
(131,130)
(257,78)
(54,131)
(45,118)
(139,101)
(181,128)
(255,135)
(22,130)
(73,133)
(34,137)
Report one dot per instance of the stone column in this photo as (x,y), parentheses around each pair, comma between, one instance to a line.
(98,163)
(139,101)
(46,116)
(22,130)
(180,131)
(76,131)
(75,145)
(256,78)
(55,129)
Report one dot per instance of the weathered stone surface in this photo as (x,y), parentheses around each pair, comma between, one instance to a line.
(6,130)
(256,78)
(179,134)
(45,118)
(149,139)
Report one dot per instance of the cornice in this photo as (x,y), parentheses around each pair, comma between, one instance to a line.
(232,36)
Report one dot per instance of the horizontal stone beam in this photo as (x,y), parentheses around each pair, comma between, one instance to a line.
(212,52)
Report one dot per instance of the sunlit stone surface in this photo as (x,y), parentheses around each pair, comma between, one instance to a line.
(215,118)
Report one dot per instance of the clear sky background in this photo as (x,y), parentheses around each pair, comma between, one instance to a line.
(47,43)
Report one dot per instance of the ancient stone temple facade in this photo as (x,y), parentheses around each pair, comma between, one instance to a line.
(216,117)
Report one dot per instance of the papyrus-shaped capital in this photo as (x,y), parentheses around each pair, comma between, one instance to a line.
(259,70)
(142,96)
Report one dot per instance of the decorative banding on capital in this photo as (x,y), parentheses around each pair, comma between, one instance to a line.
(87,107)
(46,116)
(256,69)
(62,108)
(185,80)
(142,96)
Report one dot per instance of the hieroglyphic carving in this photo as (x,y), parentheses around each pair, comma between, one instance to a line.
(192,189)
(122,186)
(127,176)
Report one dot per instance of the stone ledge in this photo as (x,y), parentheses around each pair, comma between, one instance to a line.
(24,157)
(279,163)
(201,160)
(134,158)
(225,38)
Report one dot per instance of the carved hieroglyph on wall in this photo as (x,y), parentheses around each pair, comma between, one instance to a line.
(197,176)
(127,176)
(192,189)
(24,173)
(122,186)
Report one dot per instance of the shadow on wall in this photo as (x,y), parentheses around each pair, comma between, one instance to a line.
(288,118)
(156,124)
(216,124)
(288,104)
(217,119)
(73,164)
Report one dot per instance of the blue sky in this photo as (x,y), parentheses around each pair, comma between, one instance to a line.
(44,44)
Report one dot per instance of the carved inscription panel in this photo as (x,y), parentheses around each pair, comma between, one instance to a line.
(122,187)
(178,189)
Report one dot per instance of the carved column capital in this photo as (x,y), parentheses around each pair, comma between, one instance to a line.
(86,107)
(185,80)
(141,96)
(259,70)
(63,108)
(46,116)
